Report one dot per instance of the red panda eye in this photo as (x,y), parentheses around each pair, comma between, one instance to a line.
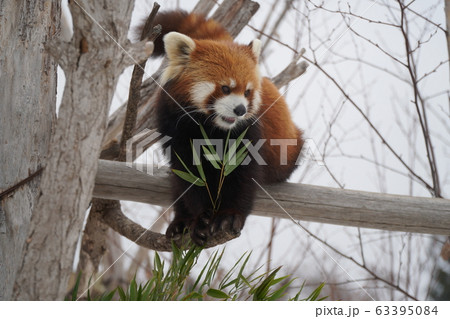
(247,93)
(226,89)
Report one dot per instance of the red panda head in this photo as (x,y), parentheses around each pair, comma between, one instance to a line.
(220,79)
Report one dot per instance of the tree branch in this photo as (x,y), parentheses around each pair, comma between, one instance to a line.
(115,219)
(148,33)
(291,72)
(303,202)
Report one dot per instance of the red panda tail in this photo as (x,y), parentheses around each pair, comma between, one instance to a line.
(193,25)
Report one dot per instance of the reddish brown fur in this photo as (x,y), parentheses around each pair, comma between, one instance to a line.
(214,46)
(277,124)
(197,69)
(197,27)
(193,25)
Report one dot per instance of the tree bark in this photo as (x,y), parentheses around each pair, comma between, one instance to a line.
(447,19)
(27,108)
(93,244)
(92,62)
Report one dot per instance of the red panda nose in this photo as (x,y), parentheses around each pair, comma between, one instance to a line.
(240,110)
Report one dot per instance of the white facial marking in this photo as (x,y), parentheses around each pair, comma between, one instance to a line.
(256,101)
(232,83)
(249,86)
(224,108)
(201,91)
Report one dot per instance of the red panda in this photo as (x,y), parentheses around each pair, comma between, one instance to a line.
(212,81)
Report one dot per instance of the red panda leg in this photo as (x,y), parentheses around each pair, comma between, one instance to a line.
(236,203)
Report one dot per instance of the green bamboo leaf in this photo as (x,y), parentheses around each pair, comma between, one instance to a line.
(217,294)
(260,293)
(75,289)
(108,297)
(133,290)
(207,141)
(122,294)
(184,165)
(89,291)
(212,158)
(226,279)
(199,165)
(227,141)
(232,150)
(234,159)
(280,292)
(315,294)
(231,167)
(158,264)
(193,295)
(297,296)
(189,178)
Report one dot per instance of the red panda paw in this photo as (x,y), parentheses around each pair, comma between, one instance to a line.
(229,221)
(176,229)
(200,228)
(206,225)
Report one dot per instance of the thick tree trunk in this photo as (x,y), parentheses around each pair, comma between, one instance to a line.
(92,62)
(27,113)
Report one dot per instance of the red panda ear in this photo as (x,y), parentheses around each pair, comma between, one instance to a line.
(178,46)
(178,49)
(255,45)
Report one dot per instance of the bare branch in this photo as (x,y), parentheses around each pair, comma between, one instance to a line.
(115,219)
(233,15)
(291,72)
(421,110)
(148,33)
(377,132)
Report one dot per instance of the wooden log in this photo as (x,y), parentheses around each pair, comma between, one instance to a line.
(115,180)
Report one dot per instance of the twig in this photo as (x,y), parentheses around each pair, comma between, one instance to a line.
(281,17)
(361,265)
(21,183)
(420,113)
(377,132)
(150,33)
